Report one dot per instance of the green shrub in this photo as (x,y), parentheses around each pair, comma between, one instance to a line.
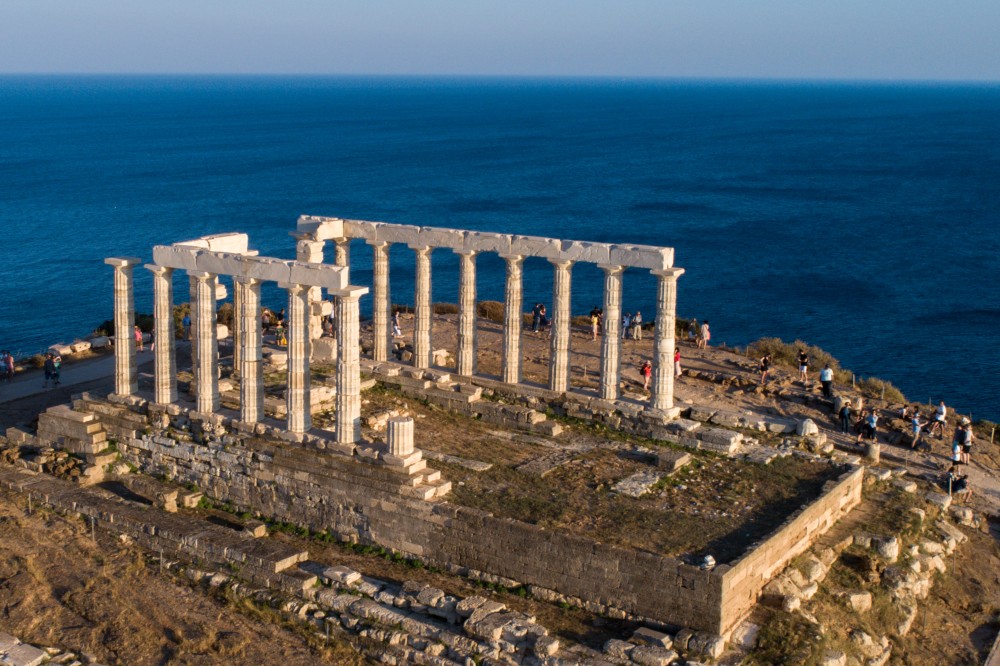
(225,315)
(491,310)
(444,308)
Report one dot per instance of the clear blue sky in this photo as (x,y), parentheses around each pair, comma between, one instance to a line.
(843,39)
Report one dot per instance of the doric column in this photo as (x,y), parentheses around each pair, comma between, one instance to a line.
(342,252)
(206,340)
(561,296)
(237,331)
(126,375)
(247,290)
(380,301)
(466,313)
(512,321)
(399,436)
(311,251)
(165,368)
(348,365)
(663,345)
(422,308)
(611,338)
(297,394)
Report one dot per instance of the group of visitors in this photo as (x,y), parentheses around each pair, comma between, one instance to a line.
(52,367)
(632,325)
(6,366)
(539,318)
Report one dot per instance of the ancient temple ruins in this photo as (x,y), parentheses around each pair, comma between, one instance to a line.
(207,259)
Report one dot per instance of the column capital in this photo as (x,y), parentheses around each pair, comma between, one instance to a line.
(244,279)
(293,287)
(464,252)
(201,276)
(512,258)
(159,270)
(669,273)
(561,263)
(350,292)
(420,249)
(123,262)
(611,268)
(303,236)
(374,242)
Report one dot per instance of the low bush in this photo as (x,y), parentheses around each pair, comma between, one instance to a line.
(444,308)
(491,310)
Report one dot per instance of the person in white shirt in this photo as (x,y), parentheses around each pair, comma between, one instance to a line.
(826,379)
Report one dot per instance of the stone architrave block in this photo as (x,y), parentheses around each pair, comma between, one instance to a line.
(594,253)
(536,246)
(360,229)
(407,234)
(171,256)
(642,256)
(235,242)
(318,275)
(481,241)
(321,228)
(453,239)
(721,437)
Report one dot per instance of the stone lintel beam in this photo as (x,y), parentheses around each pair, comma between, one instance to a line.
(321,228)
(242,265)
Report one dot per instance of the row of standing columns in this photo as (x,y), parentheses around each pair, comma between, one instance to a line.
(559,365)
(247,337)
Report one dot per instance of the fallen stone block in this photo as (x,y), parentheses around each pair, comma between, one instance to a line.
(671,460)
(942,500)
(648,655)
(652,637)
(638,484)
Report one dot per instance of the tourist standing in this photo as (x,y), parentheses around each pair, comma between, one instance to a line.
(803,366)
(705,336)
(56,368)
(186,325)
(626,323)
(543,320)
(137,332)
(595,323)
(693,330)
(965,428)
(845,416)
(677,362)
(916,426)
(49,368)
(265,320)
(826,379)
(536,315)
(940,420)
(10,366)
(765,368)
(3,365)
(646,371)
(637,326)
(397,332)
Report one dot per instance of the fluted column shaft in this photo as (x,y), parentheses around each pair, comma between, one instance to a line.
(380,301)
(611,338)
(297,395)
(311,251)
(193,314)
(238,330)
(561,297)
(342,251)
(466,313)
(422,309)
(251,360)
(206,340)
(512,321)
(165,362)
(348,413)
(126,374)
(663,345)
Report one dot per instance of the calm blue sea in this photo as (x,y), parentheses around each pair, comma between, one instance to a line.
(864,218)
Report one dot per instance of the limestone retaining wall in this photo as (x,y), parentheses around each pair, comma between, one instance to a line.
(360,501)
(743,580)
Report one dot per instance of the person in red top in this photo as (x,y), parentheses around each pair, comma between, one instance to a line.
(138,338)
(646,371)
(677,362)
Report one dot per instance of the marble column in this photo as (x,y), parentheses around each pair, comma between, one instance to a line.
(193,314)
(381,305)
(422,308)
(251,359)
(611,336)
(513,320)
(298,404)
(399,436)
(311,252)
(467,347)
(561,315)
(663,345)
(237,331)
(126,372)
(165,362)
(206,341)
(342,252)
(348,413)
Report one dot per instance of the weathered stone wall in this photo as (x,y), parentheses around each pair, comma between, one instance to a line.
(743,580)
(364,502)
(358,500)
